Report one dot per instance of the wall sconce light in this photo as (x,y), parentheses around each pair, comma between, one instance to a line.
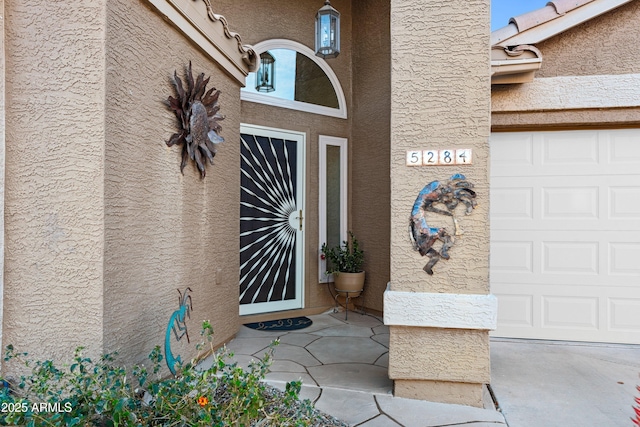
(266,75)
(327,31)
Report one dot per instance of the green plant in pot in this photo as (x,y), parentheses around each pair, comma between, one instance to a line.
(345,263)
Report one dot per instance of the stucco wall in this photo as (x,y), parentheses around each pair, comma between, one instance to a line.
(2,158)
(101,227)
(440,99)
(259,21)
(583,79)
(370,148)
(164,231)
(53,296)
(607,44)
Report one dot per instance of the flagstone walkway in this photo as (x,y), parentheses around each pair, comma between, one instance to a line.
(343,367)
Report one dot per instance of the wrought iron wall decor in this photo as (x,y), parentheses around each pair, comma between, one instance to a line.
(440,198)
(177,324)
(198,114)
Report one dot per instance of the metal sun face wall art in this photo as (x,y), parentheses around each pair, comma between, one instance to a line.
(439,198)
(197,111)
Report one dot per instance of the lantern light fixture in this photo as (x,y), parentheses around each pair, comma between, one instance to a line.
(266,75)
(327,31)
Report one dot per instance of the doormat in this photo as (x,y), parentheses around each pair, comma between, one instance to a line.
(290,324)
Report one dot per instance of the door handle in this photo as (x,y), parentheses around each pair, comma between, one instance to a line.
(300,218)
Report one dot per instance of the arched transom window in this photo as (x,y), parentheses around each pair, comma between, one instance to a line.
(301,81)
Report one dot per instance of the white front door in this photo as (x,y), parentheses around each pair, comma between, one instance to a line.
(565,234)
(271,219)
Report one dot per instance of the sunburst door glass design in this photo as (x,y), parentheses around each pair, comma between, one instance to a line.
(270,223)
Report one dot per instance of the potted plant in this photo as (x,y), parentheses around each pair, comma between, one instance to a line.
(345,263)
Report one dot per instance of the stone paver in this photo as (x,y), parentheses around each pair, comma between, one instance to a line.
(287,366)
(299,339)
(353,376)
(343,366)
(380,421)
(249,346)
(409,412)
(383,360)
(330,350)
(353,407)
(295,354)
(381,339)
(346,331)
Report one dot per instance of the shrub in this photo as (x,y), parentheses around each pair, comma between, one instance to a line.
(346,258)
(88,393)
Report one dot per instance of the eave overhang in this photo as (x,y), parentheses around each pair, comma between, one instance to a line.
(198,22)
(526,30)
(514,65)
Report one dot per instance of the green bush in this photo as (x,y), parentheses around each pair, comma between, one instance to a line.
(345,258)
(88,393)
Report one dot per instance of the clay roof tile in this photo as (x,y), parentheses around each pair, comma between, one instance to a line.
(564,6)
(552,10)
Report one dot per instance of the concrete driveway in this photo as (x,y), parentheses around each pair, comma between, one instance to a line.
(561,384)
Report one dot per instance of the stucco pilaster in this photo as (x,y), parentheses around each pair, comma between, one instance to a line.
(2,142)
(440,99)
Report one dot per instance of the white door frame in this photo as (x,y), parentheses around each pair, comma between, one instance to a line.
(323,142)
(296,221)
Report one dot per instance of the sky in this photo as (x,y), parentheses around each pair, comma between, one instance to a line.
(502,10)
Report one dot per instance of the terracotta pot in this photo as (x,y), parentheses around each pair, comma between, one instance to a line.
(349,282)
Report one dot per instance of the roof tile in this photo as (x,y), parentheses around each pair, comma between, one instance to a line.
(564,6)
(552,10)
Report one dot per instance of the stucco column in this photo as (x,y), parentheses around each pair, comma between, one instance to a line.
(440,99)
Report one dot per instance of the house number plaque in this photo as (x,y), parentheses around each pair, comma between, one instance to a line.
(439,157)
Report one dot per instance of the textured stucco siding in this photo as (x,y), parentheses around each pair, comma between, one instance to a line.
(164,231)
(440,391)
(607,44)
(587,79)
(370,148)
(2,157)
(574,119)
(53,297)
(101,227)
(456,355)
(440,100)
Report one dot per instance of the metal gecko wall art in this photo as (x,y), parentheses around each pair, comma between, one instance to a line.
(439,198)
(177,324)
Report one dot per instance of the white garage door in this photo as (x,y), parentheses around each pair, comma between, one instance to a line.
(565,234)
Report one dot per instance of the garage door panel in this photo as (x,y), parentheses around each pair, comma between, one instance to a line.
(570,257)
(624,314)
(548,311)
(624,202)
(624,259)
(512,203)
(594,258)
(515,311)
(566,153)
(570,202)
(512,257)
(565,234)
(512,150)
(569,150)
(624,147)
(570,312)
